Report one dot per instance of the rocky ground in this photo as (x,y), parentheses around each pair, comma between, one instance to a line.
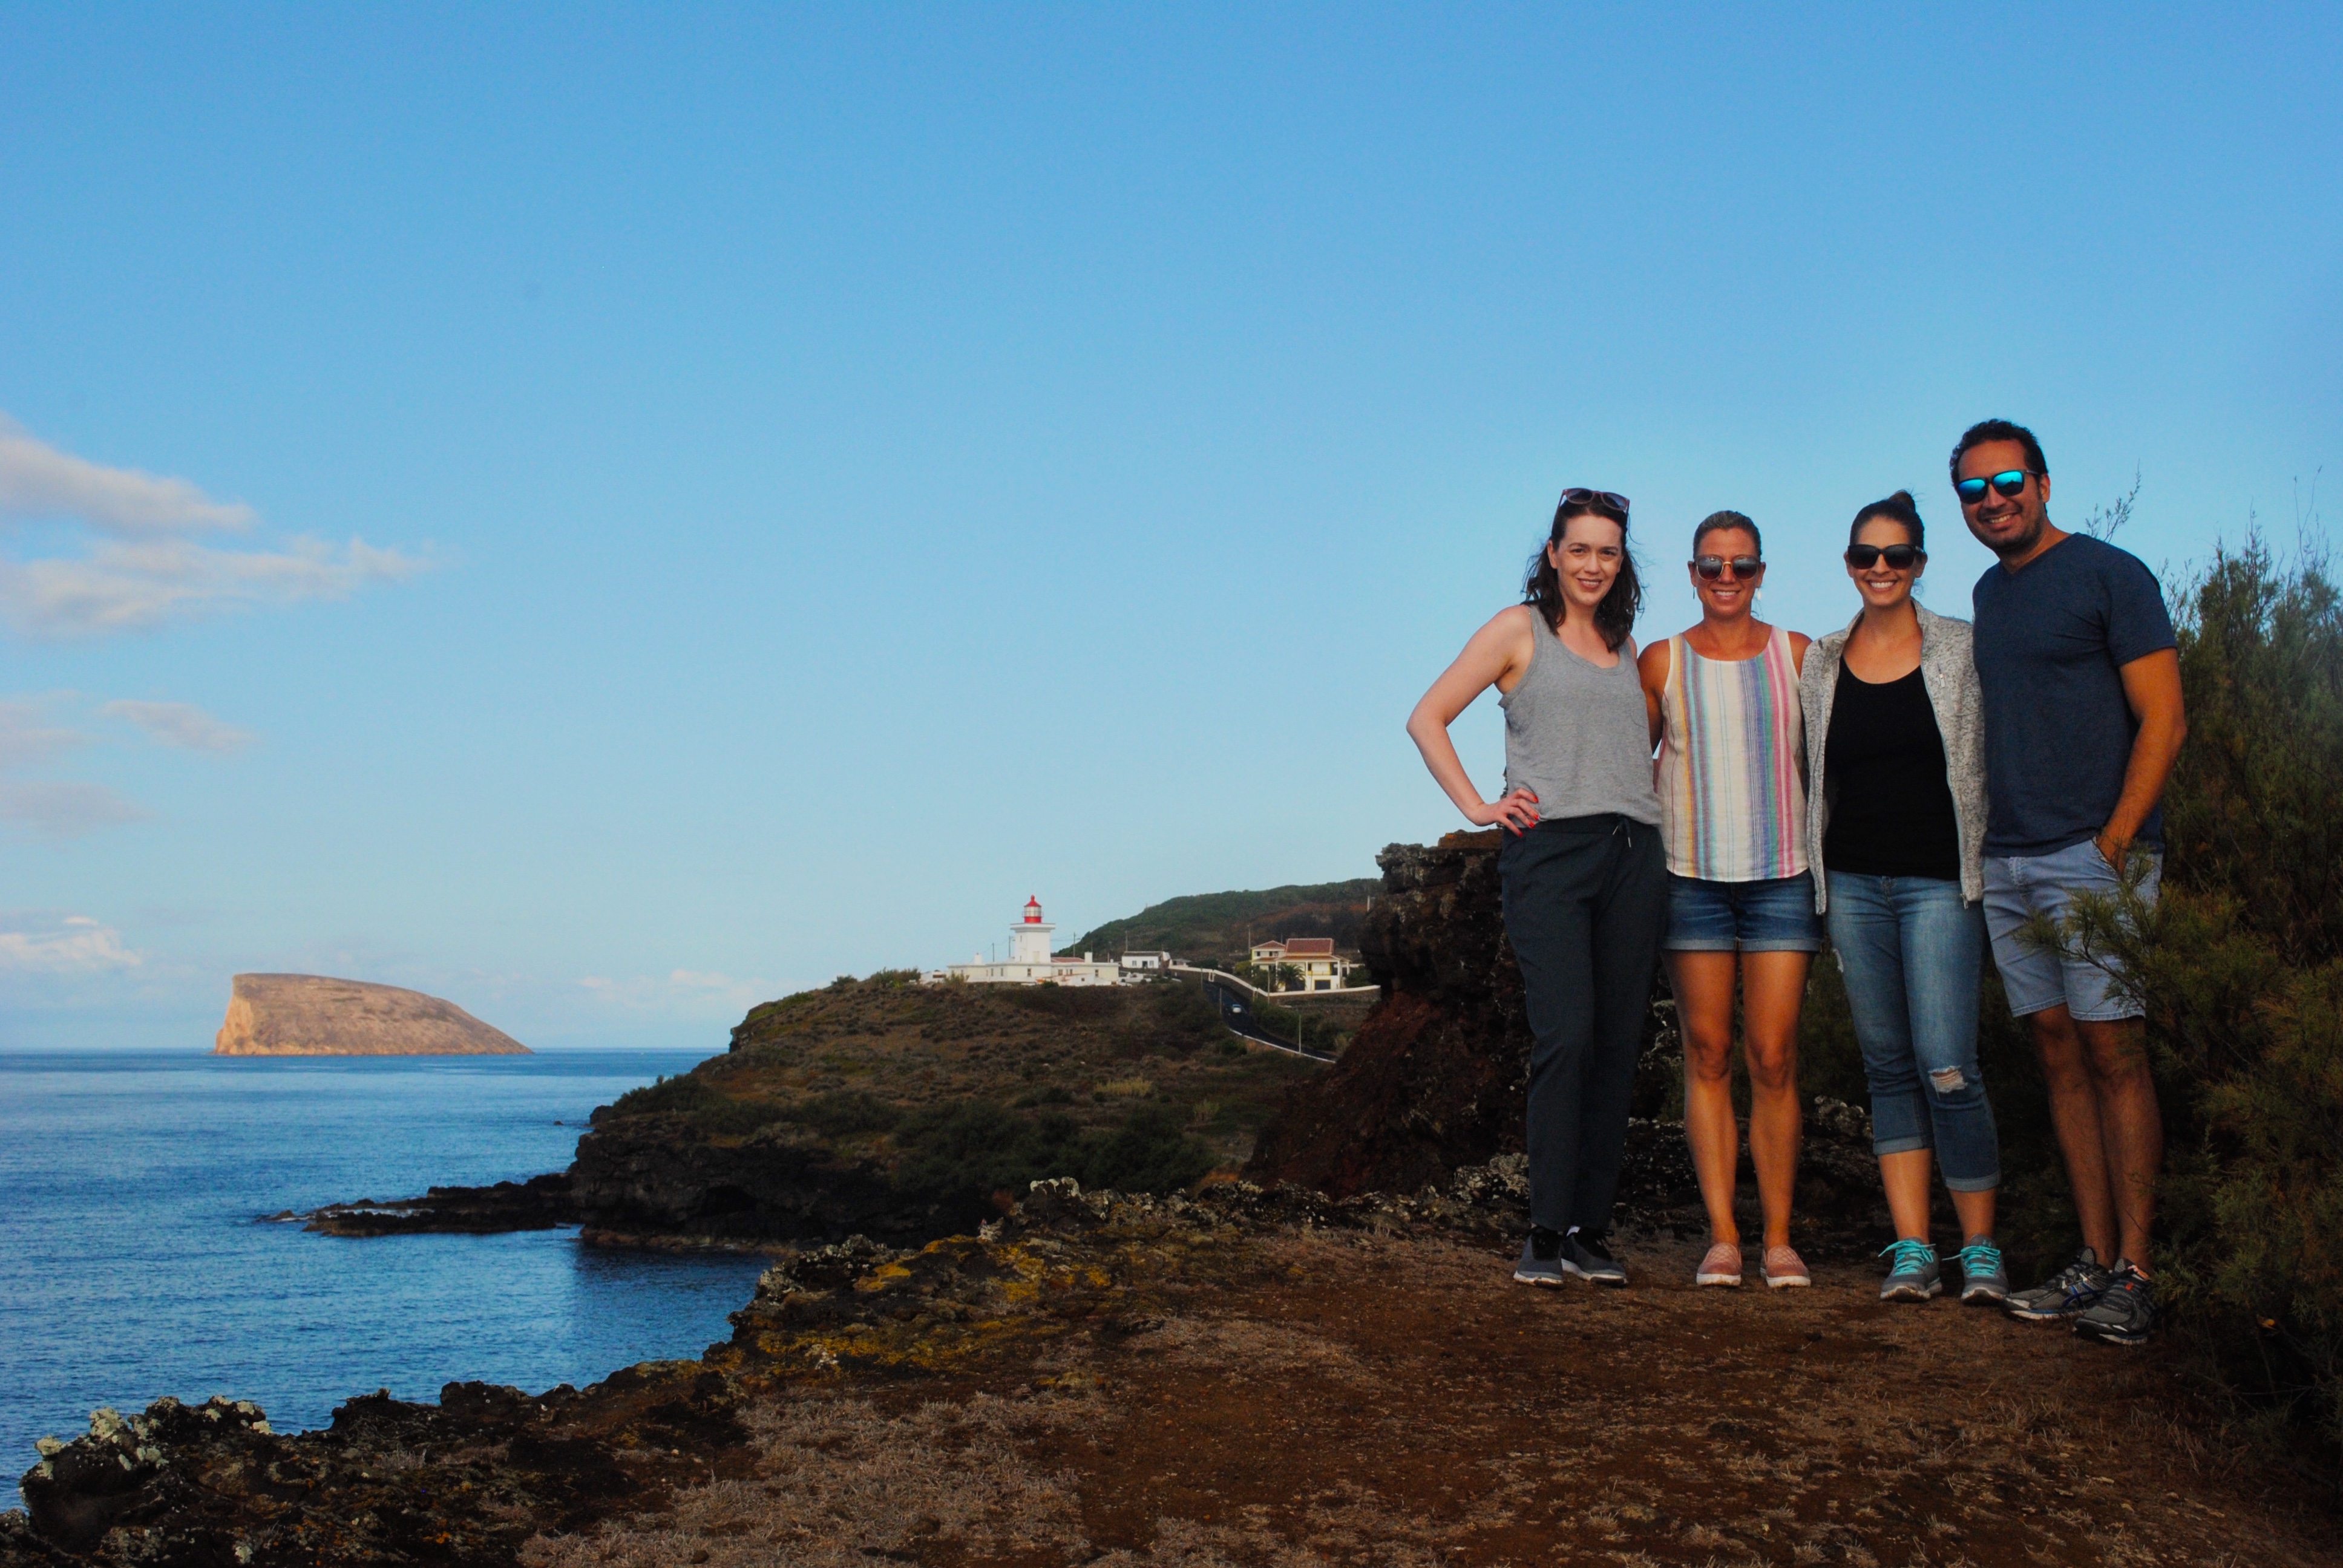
(1247,1378)
(1292,1370)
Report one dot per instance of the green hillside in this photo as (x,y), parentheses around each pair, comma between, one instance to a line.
(1201,926)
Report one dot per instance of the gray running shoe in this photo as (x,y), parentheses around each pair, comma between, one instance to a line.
(2125,1313)
(1586,1254)
(1541,1262)
(2070,1292)
(1983,1279)
(1914,1274)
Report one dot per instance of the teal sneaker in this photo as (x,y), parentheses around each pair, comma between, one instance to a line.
(1912,1275)
(1983,1279)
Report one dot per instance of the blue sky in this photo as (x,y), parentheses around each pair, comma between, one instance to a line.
(610,514)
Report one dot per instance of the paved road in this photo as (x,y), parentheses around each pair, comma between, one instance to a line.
(1236,1012)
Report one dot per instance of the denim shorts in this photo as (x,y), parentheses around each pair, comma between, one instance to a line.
(2018,886)
(1774,916)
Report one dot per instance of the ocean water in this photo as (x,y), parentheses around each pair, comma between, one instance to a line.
(135,1261)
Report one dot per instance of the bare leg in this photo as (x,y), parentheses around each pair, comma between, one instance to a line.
(2074,1112)
(1703,982)
(1773,989)
(1976,1209)
(1906,1175)
(2131,1129)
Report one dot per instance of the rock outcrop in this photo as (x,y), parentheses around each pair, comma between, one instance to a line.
(1438,1076)
(313,1015)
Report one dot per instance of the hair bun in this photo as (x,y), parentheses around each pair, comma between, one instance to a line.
(1905,496)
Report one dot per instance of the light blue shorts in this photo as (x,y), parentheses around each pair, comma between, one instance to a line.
(2019,887)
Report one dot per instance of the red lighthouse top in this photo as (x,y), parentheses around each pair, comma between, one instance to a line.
(1032,912)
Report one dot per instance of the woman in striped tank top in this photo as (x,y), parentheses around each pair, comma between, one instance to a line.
(1723,702)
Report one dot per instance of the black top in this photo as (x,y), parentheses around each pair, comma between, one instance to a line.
(1891,811)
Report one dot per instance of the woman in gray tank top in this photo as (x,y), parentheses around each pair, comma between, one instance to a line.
(1583,875)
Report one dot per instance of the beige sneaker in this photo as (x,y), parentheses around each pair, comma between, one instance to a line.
(1720,1266)
(1784,1267)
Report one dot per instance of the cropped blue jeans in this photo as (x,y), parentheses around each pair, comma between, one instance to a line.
(1911,953)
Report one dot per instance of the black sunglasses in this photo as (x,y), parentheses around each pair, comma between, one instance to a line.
(1899,556)
(1713,566)
(1577,496)
(2006,483)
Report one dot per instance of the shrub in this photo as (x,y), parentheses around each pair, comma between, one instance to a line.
(2240,965)
(843,1113)
(958,1155)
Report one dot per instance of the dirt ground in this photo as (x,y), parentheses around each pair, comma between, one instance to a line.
(1357,1399)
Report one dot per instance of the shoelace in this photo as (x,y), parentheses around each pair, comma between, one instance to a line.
(1911,1257)
(1980,1258)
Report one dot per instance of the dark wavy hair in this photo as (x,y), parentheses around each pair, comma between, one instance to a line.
(1614,617)
(1984,430)
(1898,508)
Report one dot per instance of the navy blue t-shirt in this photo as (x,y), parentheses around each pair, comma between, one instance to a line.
(2051,639)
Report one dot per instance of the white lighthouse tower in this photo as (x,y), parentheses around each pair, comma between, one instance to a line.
(1029,938)
(1029,961)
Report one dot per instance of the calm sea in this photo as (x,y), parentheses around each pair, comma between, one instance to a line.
(133,1260)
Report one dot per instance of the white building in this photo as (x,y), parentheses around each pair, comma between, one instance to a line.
(1030,962)
(1316,965)
(1146,963)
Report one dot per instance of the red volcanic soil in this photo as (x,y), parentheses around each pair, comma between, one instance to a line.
(1379,1400)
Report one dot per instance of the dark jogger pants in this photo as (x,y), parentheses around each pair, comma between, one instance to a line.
(1586,900)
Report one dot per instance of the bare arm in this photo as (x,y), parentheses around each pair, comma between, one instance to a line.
(1497,650)
(2151,685)
(1653,670)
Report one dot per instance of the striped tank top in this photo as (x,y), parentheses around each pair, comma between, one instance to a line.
(1732,801)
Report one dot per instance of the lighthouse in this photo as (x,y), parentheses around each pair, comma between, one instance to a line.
(1030,962)
(1029,938)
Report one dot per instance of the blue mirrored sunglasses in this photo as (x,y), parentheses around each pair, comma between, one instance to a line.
(2006,483)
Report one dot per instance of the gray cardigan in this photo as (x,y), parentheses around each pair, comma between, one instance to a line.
(1950,674)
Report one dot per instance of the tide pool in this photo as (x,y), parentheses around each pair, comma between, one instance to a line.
(135,1261)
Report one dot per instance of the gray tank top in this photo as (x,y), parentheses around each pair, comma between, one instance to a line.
(1576,735)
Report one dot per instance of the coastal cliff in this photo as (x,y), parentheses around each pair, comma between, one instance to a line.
(316,1015)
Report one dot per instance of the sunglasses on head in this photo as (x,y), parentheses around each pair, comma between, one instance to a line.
(1578,496)
(2006,483)
(1713,566)
(1899,556)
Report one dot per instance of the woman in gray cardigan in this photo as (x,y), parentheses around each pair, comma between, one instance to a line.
(1896,828)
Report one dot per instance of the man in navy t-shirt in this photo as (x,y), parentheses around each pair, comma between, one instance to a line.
(2083,718)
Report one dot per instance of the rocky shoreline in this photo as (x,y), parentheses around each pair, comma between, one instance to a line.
(1412,1140)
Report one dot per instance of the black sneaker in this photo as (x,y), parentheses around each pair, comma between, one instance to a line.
(2071,1292)
(1586,1254)
(1541,1262)
(2125,1313)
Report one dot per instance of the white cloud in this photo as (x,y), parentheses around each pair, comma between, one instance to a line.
(682,991)
(64,808)
(36,480)
(145,569)
(75,945)
(181,724)
(134,586)
(28,736)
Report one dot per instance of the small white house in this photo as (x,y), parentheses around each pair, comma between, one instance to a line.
(1030,962)
(1145,963)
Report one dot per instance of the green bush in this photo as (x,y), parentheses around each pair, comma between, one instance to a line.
(2240,965)
(843,1113)
(689,1094)
(958,1155)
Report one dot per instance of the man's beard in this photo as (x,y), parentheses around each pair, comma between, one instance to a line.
(2024,542)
